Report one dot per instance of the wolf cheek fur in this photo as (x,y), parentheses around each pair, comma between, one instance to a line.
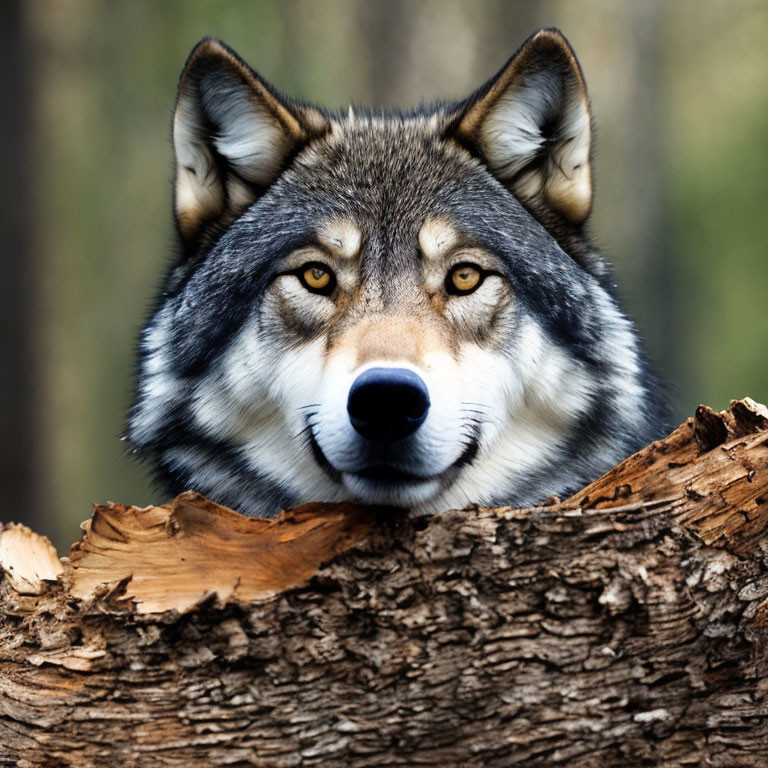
(396,308)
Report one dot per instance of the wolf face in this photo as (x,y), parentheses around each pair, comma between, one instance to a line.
(399,309)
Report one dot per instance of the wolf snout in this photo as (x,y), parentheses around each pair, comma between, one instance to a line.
(387,404)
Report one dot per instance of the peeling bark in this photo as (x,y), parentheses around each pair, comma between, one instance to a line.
(625,626)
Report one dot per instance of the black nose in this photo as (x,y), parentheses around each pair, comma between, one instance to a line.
(387,404)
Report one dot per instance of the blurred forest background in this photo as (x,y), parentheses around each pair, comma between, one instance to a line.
(680,98)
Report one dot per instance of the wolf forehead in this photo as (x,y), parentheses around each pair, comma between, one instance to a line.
(342,239)
(385,176)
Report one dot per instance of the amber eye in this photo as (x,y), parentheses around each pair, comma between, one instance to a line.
(463,279)
(317,278)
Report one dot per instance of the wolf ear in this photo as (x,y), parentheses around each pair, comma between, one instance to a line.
(531,124)
(232,135)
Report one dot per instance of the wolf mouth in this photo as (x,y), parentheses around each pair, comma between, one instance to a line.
(383,473)
(387,476)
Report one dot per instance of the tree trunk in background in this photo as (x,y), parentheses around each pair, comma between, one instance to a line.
(506,24)
(438,49)
(648,268)
(386,27)
(19,409)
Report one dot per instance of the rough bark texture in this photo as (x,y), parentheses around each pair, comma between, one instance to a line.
(625,626)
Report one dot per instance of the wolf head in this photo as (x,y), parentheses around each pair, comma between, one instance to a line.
(400,309)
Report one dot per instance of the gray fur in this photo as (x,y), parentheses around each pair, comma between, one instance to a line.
(201,408)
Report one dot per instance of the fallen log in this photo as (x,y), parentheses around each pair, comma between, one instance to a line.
(624,626)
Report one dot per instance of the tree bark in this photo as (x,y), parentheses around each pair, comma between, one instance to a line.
(625,626)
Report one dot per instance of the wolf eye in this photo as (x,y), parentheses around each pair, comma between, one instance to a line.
(463,279)
(317,278)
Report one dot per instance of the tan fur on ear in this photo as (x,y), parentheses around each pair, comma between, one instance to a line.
(231,135)
(532,125)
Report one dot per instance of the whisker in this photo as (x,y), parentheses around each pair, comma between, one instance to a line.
(310,425)
(302,432)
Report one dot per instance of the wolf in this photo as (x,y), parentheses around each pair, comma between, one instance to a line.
(397,308)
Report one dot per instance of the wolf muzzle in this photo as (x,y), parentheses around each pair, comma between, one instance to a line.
(387,404)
